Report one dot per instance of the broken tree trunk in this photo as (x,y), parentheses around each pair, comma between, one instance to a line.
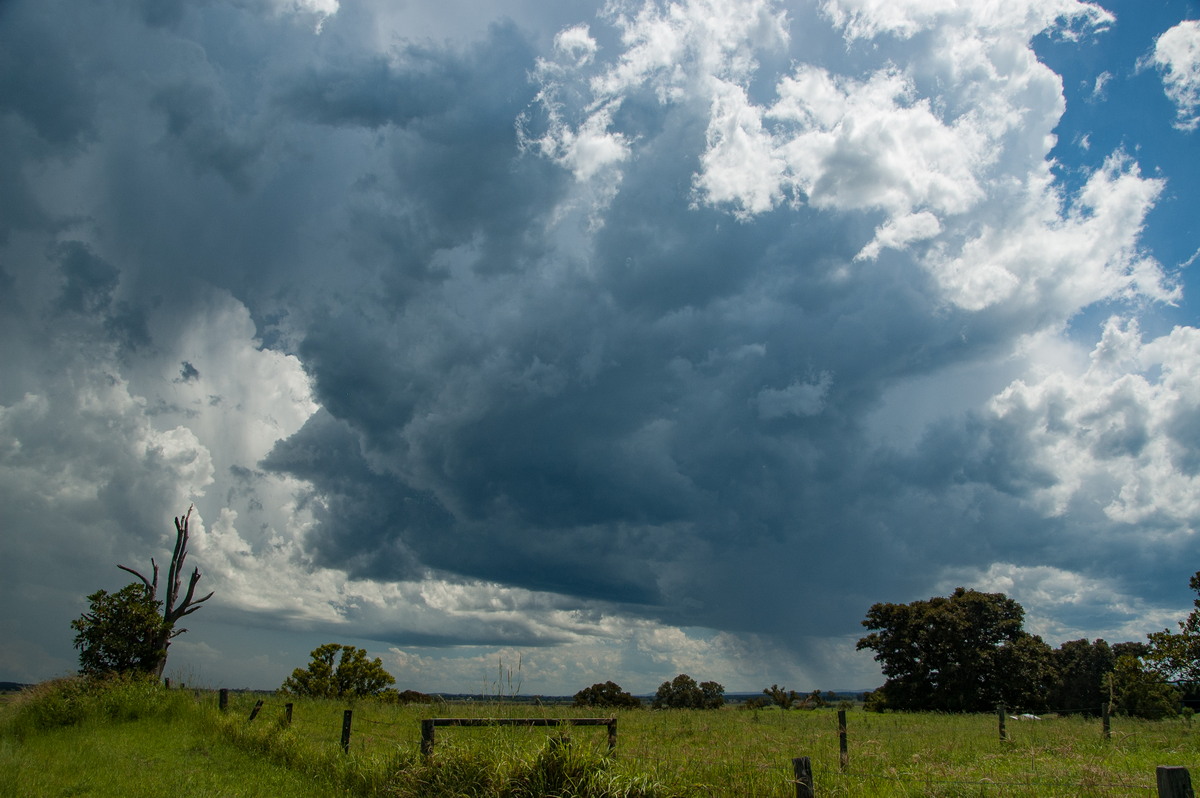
(172,612)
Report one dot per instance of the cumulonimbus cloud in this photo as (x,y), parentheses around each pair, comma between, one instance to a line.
(587,344)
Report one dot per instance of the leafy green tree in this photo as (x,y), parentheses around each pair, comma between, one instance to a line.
(682,692)
(1023,674)
(712,695)
(338,671)
(1080,671)
(966,652)
(1176,655)
(608,694)
(780,696)
(1141,691)
(120,633)
(875,701)
(814,700)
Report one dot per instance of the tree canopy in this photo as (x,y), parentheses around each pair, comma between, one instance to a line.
(338,671)
(1082,669)
(781,696)
(683,693)
(1176,655)
(608,694)
(966,652)
(121,632)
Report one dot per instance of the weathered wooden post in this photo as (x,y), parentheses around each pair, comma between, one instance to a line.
(1105,713)
(287,714)
(612,734)
(1000,718)
(223,699)
(802,770)
(346,730)
(1173,782)
(843,746)
(257,706)
(427,736)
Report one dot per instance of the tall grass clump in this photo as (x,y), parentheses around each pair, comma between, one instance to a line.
(558,769)
(75,700)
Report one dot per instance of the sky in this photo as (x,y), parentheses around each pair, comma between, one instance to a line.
(584,341)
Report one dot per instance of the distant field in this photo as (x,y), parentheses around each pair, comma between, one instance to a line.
(670,754)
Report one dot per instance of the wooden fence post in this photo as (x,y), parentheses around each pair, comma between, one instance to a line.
(843,746)
(346,730)
(427,737)
(802,769)
(287,713)
(257,706)
(1105,713)
(223,699)
(1173,782)
(612,733)
(1000,717)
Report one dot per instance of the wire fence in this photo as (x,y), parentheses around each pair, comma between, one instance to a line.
(1063,752)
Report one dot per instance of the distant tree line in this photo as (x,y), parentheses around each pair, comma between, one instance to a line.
(682,692)
(781,697)
(969,652)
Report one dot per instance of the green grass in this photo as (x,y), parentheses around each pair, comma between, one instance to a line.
(749,753)
(148,758)
(128,739)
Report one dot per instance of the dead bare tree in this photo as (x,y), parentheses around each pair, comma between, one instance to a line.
(171,612)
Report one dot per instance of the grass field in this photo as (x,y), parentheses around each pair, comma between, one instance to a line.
(748,753)
(180,738)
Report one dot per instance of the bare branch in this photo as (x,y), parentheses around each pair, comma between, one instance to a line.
(177,558)
(195,605)
(145,581)
(152,586)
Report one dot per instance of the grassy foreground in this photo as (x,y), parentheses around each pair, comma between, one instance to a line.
(135,739)
(130,740)
(733,752)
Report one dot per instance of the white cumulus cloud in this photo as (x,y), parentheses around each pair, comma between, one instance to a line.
(1177,55)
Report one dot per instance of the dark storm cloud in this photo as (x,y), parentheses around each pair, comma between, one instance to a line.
(194,124)
(606,438)
(555,346)
(41,82)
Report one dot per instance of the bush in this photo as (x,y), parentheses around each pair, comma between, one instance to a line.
(875,701)
(392,696)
